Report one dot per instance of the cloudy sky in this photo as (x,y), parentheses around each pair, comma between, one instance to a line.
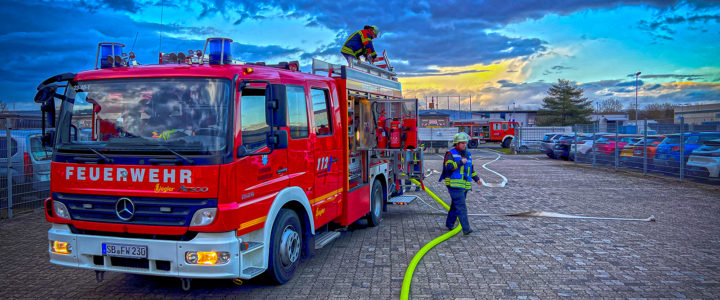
(496,51)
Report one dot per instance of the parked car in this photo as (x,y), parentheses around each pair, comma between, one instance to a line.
(607,144)
(626,151)
(30,161)
(668,157)
(638,150)
(561,150)
(705,160)
(584,145)
(548,143)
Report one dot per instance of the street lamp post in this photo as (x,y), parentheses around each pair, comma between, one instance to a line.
(636,103)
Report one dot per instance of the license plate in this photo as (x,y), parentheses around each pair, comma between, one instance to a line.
(120,250)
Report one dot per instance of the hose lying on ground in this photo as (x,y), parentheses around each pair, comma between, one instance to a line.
(405,291)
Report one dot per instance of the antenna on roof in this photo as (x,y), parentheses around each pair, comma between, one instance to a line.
(133,46)
(162,7)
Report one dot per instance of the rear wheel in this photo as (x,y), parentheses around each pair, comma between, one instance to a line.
(285,246)
(506,142)
(376,204)
(473,144)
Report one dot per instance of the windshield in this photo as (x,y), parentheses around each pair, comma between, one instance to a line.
(183,114)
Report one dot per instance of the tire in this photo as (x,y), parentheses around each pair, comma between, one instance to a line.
(506,142)
(377,200)
(285,246)
(473,144)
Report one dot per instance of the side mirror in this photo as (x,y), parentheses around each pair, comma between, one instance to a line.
(276,105)
(48,139)
(278,139)
(45,93)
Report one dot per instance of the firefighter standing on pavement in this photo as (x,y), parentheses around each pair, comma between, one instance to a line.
(360,44)
(458,172)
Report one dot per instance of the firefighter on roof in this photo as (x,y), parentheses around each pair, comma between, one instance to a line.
(360,44)
(459,174)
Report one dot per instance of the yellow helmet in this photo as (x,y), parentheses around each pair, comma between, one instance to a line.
(460,138)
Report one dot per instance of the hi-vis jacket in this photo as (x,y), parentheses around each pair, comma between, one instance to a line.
(457,174)
(359,44)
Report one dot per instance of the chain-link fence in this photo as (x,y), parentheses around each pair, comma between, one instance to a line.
(530,139)
(684,148)
(24,166)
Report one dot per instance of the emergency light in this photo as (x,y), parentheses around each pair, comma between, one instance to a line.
(109,55)
(218,50)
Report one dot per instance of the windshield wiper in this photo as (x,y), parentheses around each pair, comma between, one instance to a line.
(103,158)
(159,160)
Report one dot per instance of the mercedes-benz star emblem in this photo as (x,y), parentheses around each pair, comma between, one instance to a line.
(125,209)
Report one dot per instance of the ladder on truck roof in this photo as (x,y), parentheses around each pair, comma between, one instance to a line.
(362,77)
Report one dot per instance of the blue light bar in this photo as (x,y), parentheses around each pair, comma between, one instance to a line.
(106,50)
(218,51)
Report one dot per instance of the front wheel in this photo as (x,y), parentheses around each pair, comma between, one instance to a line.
(376,204)
(285,246)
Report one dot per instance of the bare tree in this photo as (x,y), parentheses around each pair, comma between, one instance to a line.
(609,106)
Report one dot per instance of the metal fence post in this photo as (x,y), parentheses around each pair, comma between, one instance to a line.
(594,145)
(8,145)
(645,141)
(574,145)
(616,153)
(682,148)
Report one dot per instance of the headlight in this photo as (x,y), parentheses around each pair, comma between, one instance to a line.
(61,210)
(203,217)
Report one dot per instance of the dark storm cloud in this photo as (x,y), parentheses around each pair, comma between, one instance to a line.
(58,39)
(441,33)
(689,77)
(629,83)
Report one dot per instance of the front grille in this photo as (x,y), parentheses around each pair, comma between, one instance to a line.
(148,210)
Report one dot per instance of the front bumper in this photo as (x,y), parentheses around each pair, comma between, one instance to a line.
(700,164)
(164,258)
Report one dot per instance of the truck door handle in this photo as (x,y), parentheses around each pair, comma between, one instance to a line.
(283,170)
(334,160)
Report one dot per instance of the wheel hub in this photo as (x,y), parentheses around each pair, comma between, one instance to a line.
(289,245)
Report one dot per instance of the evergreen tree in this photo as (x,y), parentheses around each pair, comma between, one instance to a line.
(564,106)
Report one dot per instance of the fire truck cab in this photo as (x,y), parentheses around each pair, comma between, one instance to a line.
(487,131)
(203,167)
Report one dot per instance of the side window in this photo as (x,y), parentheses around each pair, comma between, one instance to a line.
(253,126)
(496,126)
(3,147)
(504,126)
(321,111)
(692,140)
(297,112)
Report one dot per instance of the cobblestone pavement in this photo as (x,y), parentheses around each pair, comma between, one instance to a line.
(506,257)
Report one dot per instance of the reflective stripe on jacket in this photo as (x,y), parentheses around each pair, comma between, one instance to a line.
(462,174)
(359,44)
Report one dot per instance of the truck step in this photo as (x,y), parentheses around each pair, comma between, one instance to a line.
(250,246)
(402,200)
(251,272)
(325,238)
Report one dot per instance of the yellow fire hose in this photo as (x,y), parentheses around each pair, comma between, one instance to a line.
(405,291)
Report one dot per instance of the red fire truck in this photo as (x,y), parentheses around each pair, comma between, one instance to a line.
(487,131)
(201,167)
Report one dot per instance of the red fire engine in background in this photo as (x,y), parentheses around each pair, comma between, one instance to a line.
(202,167)
(481,131)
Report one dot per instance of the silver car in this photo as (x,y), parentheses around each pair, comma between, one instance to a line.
(29,160)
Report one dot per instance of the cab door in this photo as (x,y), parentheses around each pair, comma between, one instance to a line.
(256,179)
(301,166)
(326,136)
